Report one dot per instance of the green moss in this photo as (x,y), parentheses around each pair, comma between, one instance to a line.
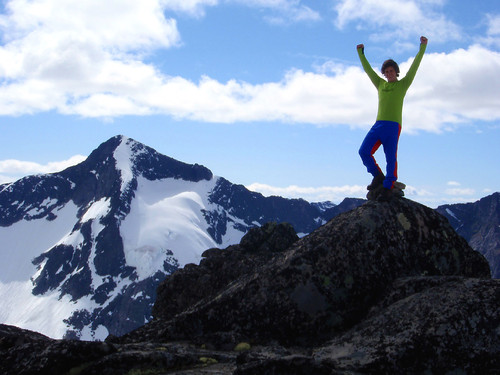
(78,370)
(403,220)
(242,346)
(146,372)
(348,281)
(208,361)
(326,281)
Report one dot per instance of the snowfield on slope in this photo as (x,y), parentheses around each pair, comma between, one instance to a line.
(21,242)
(166,215)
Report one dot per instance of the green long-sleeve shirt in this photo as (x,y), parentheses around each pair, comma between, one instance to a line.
(391,94)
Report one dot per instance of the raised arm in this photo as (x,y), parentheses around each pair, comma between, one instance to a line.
(416,62)
(374,77)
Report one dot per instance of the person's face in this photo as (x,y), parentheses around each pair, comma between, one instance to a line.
(390,74)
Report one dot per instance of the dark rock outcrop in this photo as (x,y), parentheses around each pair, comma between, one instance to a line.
(219,268)
(426,325)
(384,288)
(327,282)
(29,353)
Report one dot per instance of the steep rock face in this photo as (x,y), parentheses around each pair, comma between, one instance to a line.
(328,281)
(479,224)
(219,268)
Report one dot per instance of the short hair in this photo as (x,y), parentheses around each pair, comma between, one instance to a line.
(388,63)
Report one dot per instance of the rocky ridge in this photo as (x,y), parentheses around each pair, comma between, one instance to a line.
(388,287)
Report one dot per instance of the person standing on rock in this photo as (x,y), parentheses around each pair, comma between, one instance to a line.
(387,127)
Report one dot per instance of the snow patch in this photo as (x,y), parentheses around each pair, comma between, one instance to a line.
(26,239)
(146,260)
(99,334)
(97,210)
(44,314)
(450,212)
(166,214)
(123,156)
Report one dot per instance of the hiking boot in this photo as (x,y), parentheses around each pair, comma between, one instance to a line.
(397,189)
(373,194)
(398,185)
(377,181)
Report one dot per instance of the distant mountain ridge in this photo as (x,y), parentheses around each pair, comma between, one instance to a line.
(479,224)
(104,233)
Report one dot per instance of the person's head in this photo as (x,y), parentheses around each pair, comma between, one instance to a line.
(390,70)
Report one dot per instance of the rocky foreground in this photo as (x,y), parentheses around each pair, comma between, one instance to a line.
(388,287)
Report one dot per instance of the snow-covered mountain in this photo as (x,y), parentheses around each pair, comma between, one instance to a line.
(83,250)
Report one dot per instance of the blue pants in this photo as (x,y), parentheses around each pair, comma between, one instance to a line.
(384,133)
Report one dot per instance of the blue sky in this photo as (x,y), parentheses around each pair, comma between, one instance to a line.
(266,93)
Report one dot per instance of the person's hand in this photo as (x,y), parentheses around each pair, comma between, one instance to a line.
(423,40)
(360,46)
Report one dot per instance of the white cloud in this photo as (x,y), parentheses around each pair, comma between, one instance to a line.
(90,65)
(7,179)
(399,19)
(494,24)
(449,89)
(415,193)
(58,52)
(334,194)
(194,8)
(118,25)
(312,194)
(460,192)
(456,190)
(287,10)
(299,97)
(21,168)
(492,37)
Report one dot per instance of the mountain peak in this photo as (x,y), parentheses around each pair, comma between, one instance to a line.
(131,159)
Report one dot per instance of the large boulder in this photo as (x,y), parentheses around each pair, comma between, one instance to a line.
(218,268)
(326,282)
(426,325)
